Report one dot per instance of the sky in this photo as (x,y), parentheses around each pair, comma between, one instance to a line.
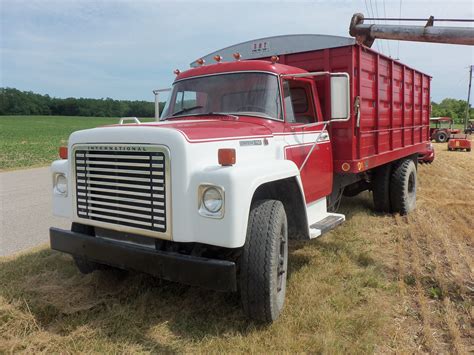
(125,49)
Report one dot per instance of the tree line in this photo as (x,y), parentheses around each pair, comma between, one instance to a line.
(16,102)
(456,109)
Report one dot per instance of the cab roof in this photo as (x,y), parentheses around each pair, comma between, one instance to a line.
(441,119)
(239,66)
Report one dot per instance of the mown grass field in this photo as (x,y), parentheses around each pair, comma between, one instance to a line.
(378,283)
(30,141)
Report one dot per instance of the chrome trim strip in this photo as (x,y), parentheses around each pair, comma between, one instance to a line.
(124,192)
(108,156)
(120,184)
(130,207)
(127,220)
(117,177)
(124,171)
(125,199)
(116,163)
(120,213)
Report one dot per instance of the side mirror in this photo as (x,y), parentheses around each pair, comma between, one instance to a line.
(340,97)
(157,102)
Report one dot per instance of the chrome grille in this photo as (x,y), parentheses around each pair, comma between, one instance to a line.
(122,185)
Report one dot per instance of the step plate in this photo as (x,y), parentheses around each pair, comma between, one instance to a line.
(328,223)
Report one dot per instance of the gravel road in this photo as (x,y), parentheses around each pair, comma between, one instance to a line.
(25,210)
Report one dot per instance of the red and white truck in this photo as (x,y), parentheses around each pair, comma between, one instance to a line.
(249,152)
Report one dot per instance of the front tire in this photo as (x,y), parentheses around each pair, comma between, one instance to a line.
(264,261)
(403,186)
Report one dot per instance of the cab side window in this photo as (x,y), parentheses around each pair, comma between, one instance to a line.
(298,102)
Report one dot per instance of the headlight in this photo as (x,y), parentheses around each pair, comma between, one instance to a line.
(60,184)
(211,201)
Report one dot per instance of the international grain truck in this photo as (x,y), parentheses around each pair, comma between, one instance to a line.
(256,145)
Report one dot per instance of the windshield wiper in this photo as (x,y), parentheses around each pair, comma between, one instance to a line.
(210,113)
(186,110)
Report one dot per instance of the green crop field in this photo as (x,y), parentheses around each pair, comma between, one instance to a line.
(29,141)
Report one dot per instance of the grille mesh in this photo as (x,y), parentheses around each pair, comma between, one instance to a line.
(122,187)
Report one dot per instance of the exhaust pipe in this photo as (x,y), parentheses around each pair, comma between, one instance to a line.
(366,34)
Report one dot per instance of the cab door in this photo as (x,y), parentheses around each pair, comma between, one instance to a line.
(303,126)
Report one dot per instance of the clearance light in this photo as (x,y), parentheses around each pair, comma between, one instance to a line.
(63,152)
(274,59)
(200,61)
(177,71)
(217,58)
(237,56)
(226,157)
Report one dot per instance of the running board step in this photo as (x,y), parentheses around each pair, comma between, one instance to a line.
(326,224)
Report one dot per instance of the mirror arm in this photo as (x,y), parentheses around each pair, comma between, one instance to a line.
(314,145)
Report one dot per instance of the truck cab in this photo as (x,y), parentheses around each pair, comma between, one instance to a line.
(241,160)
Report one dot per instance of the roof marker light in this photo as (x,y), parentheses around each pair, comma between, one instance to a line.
(274,59)
(177,71)
(218,58)
(200,61)
(237,56)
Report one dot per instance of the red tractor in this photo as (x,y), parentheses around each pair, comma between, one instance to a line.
(441,129)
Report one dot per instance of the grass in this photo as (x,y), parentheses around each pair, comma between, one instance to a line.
(378,283)
(29,141)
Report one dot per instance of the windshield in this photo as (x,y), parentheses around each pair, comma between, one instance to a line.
(254,94)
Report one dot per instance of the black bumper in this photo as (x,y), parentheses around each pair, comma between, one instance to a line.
(190,270)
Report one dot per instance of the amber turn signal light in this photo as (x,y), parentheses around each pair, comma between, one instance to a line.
(63,152)
(226,157)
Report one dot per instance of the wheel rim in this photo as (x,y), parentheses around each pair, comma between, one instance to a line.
(282,255)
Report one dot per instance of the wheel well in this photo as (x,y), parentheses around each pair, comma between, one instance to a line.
(288,192)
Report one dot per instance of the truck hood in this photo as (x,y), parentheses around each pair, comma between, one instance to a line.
(204,129)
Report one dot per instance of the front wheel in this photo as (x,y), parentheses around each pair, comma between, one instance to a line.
(264,261)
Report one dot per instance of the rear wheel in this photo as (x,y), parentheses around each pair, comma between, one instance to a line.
(403,185)
(264,262)
(441,137)
(381,189)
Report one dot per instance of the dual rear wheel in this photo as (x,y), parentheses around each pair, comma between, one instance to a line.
(394,187)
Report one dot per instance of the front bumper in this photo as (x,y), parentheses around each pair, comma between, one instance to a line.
(214,274)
